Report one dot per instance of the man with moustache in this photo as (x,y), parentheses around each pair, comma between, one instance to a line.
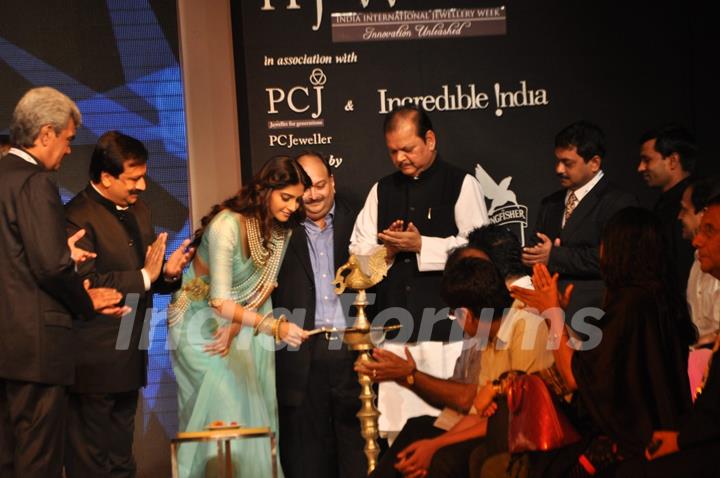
(420,213)
(571,220)
(40,292)
(316,385)
(111,361)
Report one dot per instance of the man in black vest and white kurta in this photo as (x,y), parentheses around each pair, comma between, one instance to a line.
(419,213)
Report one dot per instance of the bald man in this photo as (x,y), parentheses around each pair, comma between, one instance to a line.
(317,388)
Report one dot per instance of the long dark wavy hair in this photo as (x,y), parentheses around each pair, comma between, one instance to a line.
(254,198)
(636,253)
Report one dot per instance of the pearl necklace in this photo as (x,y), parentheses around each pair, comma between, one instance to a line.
(267,264)
(258,251)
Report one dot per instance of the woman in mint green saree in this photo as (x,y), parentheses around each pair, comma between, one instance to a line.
(221,323)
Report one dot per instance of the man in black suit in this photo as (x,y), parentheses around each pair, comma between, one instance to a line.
(571,220)
(111,362)
(667,160)
(316,385)
(40,292)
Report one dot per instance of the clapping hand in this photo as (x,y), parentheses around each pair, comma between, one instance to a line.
(154,256)
(178,260)
(546,295)
(79,255)
(105,300)
(387,365)
(396,226)
(395,239)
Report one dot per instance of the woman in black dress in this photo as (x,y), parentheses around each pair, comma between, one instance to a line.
(635,379)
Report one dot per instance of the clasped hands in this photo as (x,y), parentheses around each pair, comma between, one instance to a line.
(397,238)
(540,252)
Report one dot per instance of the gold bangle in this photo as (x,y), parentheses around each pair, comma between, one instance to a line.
(276,330)
(256,329)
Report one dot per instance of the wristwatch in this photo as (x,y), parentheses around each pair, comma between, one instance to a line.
(410,378)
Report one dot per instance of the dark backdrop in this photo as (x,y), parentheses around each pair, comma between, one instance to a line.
(626,67)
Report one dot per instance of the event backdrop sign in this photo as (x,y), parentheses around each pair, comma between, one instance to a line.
(498,78)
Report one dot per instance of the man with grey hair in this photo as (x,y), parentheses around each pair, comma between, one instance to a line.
(40,291)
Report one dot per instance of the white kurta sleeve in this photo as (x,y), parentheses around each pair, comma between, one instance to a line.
(364,235)
(470,213)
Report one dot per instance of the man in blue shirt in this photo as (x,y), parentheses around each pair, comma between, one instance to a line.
(317,387)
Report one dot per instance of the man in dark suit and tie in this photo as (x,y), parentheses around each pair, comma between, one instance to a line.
(570,221)
(40,292)
(316,385)
(111,361)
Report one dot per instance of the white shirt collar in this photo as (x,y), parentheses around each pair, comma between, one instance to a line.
(582,191)
(119,208)
(24,155)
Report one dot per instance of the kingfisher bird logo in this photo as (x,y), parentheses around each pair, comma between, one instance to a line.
(504,208)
